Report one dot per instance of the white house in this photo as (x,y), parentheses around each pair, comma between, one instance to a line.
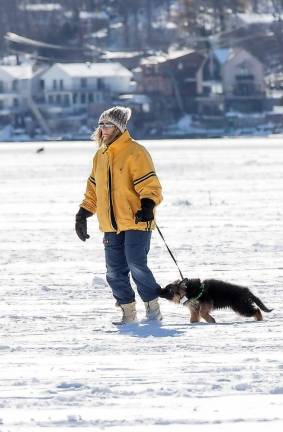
(75,86)
(15,88)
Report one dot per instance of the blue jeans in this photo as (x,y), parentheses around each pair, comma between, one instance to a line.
(124,253)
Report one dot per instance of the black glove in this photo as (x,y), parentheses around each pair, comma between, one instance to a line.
(81,224)
(146,212)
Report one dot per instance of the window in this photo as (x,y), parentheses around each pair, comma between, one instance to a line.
(100,84)
(66,100)
(1,87)
(61,84)
(90,98)
(83,98)
(58,99)
(42,84)
(243,69)
(15,85)
(83,82)
(54,84)
(75,98)
(1,104)
(51,99)
(15,102)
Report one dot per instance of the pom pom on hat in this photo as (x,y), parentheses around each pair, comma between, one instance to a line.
(117,115)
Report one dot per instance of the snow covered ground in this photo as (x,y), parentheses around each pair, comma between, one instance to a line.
(64,366)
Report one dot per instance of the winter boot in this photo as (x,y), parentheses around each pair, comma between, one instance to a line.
(152,310)
(129,314)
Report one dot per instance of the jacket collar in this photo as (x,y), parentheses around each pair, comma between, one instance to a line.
(119,144)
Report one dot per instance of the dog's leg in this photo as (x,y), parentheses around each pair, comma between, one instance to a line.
(205,310)
(208,318)
(194,314)
(248,310)
(258,315)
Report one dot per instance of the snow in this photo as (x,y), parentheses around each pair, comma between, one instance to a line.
(94,69)
(112,55)
(173,54)
(48,7)
(254,18)
(63,365)
(185,123)
(21,72)
(135,98)
(85,15)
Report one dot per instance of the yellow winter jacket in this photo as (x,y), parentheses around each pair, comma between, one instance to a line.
(122,174)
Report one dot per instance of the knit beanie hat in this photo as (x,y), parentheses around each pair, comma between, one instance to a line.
(117,115)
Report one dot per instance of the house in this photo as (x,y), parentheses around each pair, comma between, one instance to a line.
(83,87)
(232,80)
(15,89)
(259,34)
(175,78)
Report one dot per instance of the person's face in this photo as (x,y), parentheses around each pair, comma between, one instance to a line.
(107,129)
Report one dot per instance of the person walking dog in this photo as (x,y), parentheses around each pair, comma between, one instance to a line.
(123,191)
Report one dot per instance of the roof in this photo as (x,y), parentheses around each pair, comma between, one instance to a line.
(84,70)
(163,57)
(121,54)
(15,38)
(18,72)
(223,54)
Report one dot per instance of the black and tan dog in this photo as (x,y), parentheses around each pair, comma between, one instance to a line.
(203,297)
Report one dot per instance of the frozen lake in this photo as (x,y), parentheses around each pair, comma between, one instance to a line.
(63,365)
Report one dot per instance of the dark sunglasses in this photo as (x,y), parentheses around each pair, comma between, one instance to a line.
(105,125)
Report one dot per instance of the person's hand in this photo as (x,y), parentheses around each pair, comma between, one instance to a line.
(146,212)
(81,223)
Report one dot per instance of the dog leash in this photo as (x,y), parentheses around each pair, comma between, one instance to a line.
(182,277)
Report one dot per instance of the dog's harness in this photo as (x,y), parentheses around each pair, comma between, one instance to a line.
(184,300)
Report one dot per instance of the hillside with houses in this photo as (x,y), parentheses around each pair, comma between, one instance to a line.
(187,68)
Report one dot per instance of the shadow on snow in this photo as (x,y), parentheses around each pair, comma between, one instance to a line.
(144,330)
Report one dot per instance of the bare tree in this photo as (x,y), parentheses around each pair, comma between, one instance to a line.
(194,12)
(278,9)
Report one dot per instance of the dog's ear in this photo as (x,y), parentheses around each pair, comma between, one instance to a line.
(176,282)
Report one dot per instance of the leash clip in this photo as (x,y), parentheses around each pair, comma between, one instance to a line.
(183,300)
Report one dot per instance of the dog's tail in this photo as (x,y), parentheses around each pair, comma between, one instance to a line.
(259,303)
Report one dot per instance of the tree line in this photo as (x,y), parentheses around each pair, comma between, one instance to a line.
(199,18)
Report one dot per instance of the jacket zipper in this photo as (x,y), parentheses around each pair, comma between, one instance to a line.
(112,215)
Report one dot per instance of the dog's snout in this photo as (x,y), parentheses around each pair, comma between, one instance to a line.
(166,293)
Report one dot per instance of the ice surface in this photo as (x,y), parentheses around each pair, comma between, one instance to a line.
(63,365)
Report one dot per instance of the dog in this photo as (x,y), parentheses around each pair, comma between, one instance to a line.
(203,297)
